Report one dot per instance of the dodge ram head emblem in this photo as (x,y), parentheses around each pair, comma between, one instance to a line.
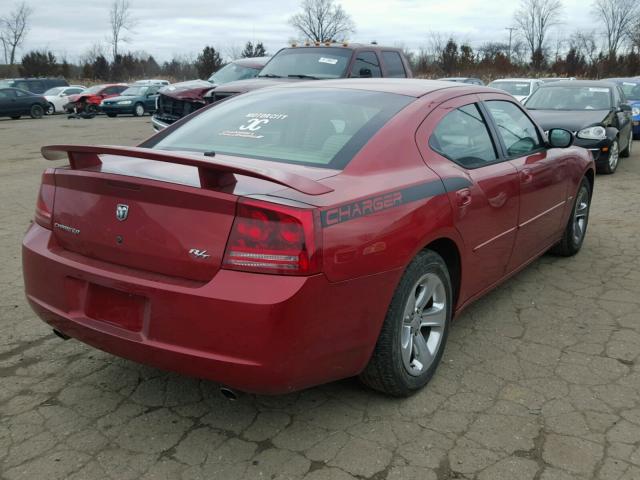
(122,211)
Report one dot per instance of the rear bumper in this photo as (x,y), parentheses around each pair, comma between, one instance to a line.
(258,333)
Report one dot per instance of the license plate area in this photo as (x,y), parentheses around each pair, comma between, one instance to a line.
(124,310)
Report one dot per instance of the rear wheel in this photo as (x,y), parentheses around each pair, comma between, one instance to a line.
(612,161)
(36,111)
(414,332)
(138,110)
(51,109)
(627,151)
(576,228)
(90,108)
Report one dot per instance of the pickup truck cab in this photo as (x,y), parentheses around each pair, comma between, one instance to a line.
(316,62)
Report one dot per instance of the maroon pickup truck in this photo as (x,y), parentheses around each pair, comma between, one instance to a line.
(294,64)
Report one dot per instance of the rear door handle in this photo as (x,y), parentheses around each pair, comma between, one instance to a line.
(463,197)
(526,176)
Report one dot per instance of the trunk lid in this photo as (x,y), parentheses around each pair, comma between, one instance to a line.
(153,215)
(167,229)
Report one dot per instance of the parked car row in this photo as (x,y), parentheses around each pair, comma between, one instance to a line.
(291,64)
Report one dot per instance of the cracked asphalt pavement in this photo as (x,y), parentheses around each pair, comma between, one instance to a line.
(540,379)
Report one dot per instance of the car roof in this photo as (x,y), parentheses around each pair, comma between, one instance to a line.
(252,62)
(345,45)
(411,87)
(580,83)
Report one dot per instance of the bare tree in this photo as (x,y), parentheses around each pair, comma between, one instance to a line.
(620,18)
(322,21)
(534,18)
(584,42)
(13,30)
(121,21)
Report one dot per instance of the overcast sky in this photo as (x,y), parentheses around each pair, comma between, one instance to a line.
(177,27)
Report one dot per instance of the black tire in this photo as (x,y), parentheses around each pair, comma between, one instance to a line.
(386,370)
(51,109)
(112,115)
(572,238)
(90,108)
(16,117)
(626,153)
(36,111)
(608,168)
(138,110)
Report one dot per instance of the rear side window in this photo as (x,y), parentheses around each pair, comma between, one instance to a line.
(366,65)
(322,127)
(393,64)
(518,133)
(462,136)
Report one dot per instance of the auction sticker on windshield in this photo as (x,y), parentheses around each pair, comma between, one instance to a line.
(330,61)
(250,127)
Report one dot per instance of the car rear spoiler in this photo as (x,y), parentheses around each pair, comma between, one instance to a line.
(213,172)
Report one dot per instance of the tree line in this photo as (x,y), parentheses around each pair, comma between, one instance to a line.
(540,45)
(95,65)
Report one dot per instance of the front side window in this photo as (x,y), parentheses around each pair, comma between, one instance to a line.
(366,65)
(517,89)
(393,62)
(518,133)
(462,137)
(323,127)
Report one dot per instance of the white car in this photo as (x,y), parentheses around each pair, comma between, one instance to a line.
(520,88)
(57,97)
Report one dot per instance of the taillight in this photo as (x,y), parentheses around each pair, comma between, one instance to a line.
(44,204)
(272,238)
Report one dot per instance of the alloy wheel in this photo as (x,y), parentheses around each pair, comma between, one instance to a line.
(614,155)
(580,215)
(424,318)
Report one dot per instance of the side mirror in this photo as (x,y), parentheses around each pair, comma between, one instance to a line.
(560,138)
(625,107)
(365,72)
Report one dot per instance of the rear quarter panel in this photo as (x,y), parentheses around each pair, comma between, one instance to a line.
(386,204)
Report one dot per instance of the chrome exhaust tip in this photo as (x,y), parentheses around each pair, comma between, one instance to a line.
(58,333)
(229,394)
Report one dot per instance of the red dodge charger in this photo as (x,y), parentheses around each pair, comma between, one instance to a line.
(303,233)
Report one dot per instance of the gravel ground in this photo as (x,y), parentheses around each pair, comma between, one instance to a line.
(540,379)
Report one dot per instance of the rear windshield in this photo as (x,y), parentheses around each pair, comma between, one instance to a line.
(321,127)
(520,89)
(321,62)
(135,91)
(631,90)
(54,91)
(570,98)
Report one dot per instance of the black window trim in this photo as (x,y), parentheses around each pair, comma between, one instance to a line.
(496,133)
(498,149)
